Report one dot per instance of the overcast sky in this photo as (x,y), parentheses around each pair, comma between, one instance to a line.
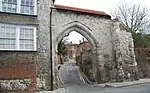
(100,5)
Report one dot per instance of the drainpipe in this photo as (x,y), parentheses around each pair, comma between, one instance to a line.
(51,57)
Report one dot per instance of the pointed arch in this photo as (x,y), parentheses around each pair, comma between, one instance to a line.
(83,30)
(80,28)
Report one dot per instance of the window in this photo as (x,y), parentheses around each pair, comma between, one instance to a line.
(14,37)
(26,38)
(27,6)
(18,6)
(7,37)
(9,5)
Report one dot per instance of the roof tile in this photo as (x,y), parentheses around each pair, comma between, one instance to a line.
(82,10)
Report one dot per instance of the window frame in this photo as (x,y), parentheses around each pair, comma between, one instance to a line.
(19,8)
(17,37)
(9,3)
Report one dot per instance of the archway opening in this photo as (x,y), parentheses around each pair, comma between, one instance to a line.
(74,47)
(89,39)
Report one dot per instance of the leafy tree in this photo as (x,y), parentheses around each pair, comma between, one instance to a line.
(147,38)
(62,49)
(139,40)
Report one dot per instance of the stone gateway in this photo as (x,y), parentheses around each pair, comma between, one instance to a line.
(112,45)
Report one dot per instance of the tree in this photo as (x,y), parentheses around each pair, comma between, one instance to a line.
(140,40)
(147,37)
(62,49)
(137,21)
(134,17)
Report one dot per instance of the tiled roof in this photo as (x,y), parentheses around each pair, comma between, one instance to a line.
(82,10)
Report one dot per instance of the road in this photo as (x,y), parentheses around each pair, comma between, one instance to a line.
(74,83)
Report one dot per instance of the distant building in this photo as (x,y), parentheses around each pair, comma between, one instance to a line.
(75,49)
(82,48)
(27,28)
(71,50)
(84,59)
(85,46)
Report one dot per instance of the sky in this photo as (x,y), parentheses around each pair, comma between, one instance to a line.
(74,37)
(101,5)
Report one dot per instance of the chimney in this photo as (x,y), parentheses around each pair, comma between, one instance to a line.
(83,39)
(79,41)
(53,1)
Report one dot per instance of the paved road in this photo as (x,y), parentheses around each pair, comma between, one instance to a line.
(73,83)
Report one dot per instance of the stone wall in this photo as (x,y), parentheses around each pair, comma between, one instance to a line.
(100,29)
(114,47)
(101,32)
(43,44)
(98,33)
(17,71)
(123,67)
(17,68)
(124,57)
(43,59)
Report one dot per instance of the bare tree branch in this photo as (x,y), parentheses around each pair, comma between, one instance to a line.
(134,17)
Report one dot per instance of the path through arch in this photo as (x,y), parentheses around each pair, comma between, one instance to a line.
(84,31)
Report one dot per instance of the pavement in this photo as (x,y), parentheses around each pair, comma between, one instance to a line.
(60,90)
(47,92)
(75,83)
(124,84)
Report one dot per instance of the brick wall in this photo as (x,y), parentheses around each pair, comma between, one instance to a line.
(142,52)
(85,46)
(143,61)
(18,65)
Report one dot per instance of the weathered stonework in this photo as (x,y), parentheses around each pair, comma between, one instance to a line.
(43,43)
(124,57)
(15,67)
(106,38)
(110,45)
(99,34)
(14,85)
